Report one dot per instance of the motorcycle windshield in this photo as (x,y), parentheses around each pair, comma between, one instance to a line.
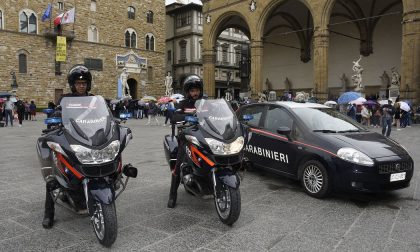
(217,118)
(87,119)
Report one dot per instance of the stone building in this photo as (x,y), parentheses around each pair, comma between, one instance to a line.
(106,36)
(312,43)
(184,38)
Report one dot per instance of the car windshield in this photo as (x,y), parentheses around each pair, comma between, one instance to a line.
(87,117)
(216,116)
(327,120)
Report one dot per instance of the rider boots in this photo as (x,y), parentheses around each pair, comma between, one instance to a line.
(175,181)
(48,220)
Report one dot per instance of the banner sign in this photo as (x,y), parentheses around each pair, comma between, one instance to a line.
(60,53)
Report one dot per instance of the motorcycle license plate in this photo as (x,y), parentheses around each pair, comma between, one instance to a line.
(397,176)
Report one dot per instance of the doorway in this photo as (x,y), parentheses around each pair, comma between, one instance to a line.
(132,84)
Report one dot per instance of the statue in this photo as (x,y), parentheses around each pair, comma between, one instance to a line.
(301,97)
(168,84)
(357,77)
(344,82)
(262,97)
(287,85)
(395,77)
(384,80)
(125,87)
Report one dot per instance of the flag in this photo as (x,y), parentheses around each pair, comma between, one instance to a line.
(47,13)
(57,20)
(68,17)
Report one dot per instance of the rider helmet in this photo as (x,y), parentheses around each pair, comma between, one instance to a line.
(192,81)
(79,72)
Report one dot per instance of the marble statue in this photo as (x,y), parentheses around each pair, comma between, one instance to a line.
(357,76)
(301,97)
(125,87)
(384,80)
(395,77)
(168,84)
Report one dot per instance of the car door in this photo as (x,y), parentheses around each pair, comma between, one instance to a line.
(280,152)
(252,126)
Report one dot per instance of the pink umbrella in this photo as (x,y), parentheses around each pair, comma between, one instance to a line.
(164,99)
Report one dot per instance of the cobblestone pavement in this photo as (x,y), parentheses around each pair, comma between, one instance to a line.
(276,214)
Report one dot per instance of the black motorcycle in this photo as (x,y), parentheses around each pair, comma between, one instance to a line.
(81,154)
(213,141)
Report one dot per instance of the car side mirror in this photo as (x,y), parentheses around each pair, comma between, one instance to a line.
(285,131)
(247,117)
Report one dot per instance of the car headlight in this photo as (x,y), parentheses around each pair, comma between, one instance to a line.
(90,156)
(219,148)
(354,156)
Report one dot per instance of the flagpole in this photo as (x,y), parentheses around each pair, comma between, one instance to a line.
(74,14)
(51,14)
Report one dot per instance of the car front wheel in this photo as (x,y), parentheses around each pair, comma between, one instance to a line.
(314,179)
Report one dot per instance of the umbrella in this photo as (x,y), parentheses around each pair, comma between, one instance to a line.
(164,99)
(408,102)
(358,101)
(5,94)
(148,98)
(370,103)
(114,101)
(404,106)
(178,97)
(383,102)
(13,99)
(348,97)
(141,103)
(330,103)
(2,100)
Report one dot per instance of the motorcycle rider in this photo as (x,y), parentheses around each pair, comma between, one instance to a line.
(193,90)
(80,81)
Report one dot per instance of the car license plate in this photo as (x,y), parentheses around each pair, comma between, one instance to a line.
(397,176)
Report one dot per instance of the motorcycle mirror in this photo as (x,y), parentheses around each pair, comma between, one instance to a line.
(52,120)
(130,171)
(247,117)
(191,119)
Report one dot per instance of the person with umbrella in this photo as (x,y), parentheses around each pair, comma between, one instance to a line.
(388,112)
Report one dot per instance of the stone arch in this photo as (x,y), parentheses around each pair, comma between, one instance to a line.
(265,14)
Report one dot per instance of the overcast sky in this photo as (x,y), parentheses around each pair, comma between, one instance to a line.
(182,1)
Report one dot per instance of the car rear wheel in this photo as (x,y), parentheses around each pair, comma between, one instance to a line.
(314,179)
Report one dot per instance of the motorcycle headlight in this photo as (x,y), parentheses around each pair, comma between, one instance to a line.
(56,147)
(219,148)
(89,156)
(354,156)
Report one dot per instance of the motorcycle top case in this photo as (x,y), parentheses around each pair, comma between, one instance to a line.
(171,147)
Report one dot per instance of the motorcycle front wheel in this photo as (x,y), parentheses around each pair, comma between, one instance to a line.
(228,204)
(104,221)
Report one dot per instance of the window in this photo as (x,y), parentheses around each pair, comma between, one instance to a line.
(131,12)
(183,19)
(150,73)
(225,48)
(28,22)
(237,55)
(58,68)
(60,6)
(183,50)
(149,16)
(94,64)
(150,42)
(1,19)
(169,55)
(93,34)
(130,38)
(92,5)
(278,117)
(200,18)
(23,64)
(256,111)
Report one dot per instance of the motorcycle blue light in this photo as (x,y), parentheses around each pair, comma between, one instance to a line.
(52,120)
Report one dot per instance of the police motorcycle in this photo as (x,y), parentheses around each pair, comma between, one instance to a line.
(214,143)
(81,153)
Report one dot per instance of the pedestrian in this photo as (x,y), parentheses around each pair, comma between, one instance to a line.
(351,111)
(8,108)
(366,114)
(27,111)
(20,109)
(397,115)
(377,118)
(170,108)
(388,112)
(32,108)
(152,112)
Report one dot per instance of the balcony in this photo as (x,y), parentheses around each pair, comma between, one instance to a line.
(53,33)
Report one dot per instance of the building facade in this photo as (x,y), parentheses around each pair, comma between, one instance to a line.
(106,36)
(314,44)
(184,38)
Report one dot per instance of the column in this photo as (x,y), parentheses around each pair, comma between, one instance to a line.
(256,81)
(208,69)
(321,42)
(410,58)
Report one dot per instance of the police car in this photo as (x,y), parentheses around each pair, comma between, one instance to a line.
(322,148)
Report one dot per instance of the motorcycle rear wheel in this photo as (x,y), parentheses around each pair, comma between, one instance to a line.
(228,204)
(104,222)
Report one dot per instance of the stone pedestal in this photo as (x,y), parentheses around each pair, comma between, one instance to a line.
(393,92)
